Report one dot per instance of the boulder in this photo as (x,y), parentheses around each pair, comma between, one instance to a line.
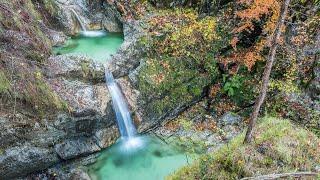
(71,169)
(105,137)
(16,130)
(82,97)
(230,118)
(79,174)
(72,148)
(111,20)
(300,108)
(126,60)
(21,160)
(82,126)
(75,67)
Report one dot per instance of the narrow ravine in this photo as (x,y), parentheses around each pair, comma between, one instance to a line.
(133,156)
(153,89)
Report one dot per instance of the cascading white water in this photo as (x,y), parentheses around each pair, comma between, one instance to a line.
(125,124)
(84,31)
(94,33)
(83,28)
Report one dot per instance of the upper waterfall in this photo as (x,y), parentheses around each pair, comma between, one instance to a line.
(83,28)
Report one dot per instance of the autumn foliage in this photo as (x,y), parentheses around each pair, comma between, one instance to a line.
(251,14)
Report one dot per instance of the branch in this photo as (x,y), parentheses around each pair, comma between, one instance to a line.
(275,176)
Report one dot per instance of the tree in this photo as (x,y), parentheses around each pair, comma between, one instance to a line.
(267,70)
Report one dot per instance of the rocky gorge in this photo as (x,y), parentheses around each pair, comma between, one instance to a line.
(58,142)
(90,125)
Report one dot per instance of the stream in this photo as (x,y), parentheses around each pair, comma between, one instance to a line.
(133,156)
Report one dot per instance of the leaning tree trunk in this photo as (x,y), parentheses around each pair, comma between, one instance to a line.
(267,71)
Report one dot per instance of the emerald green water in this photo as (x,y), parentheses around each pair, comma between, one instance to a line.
(149,158)
(98,45)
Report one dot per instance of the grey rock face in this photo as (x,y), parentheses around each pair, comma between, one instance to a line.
(19,161)
(110,25)
(65,16)
(72,135)
(129,55)
(301,108)
(93,16)
(57,38)
(105,137)
(71,169)
(132,31)
(230,119)
(79,174)
(75,67)
(82,126)
(111,19)
(82,97)
(126,60)
(70,149)
(66,137)
(80,82)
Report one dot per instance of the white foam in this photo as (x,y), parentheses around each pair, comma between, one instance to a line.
(93,33)
(132,143)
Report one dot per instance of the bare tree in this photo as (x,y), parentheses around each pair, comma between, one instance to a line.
(267,70)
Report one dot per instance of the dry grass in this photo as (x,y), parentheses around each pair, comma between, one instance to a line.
(278,147)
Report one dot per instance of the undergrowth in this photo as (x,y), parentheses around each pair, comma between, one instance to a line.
(278,147)
(24,48)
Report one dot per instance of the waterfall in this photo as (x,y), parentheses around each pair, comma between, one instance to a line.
(83,28)
(125,124)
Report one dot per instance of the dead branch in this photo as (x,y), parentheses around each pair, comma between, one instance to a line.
(284,175)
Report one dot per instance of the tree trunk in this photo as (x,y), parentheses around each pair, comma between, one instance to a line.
(267,70)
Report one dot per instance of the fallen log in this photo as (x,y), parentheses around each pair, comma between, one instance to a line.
(284,175)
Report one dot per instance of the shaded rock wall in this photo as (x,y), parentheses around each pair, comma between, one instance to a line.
(94,15)
(18,161)
(34,139)
(47,143)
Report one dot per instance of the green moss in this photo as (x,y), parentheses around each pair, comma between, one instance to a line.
(85,68)
(34,56)
(179,62)
(177,91)
(24,19)
(41,96)
(4,83)
(31,10)
(50,7)
(172,82)
(277,142)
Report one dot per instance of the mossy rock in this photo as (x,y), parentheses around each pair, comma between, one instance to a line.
(179,62)
(165,90)
(278,147)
